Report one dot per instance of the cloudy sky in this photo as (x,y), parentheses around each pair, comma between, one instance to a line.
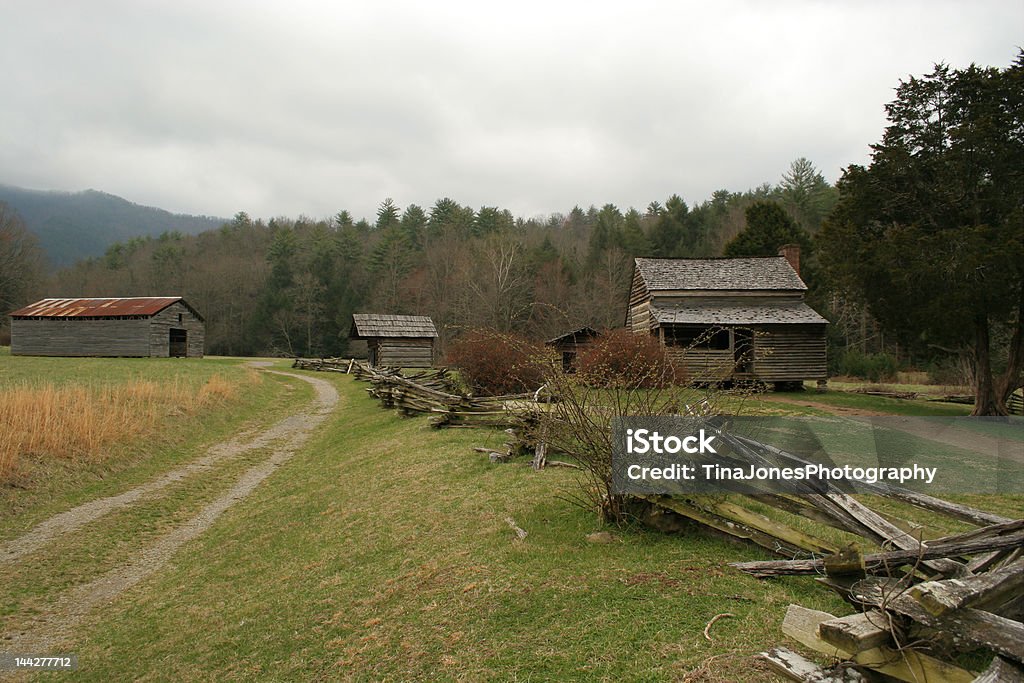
(288,108)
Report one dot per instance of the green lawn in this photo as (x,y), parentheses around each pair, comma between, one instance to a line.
(381,551)
(891,406)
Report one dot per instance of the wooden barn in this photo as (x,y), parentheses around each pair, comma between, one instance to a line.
(731,318)
(570,344)
(157,327)
(402,341)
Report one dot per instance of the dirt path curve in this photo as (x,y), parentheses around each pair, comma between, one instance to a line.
(48,630)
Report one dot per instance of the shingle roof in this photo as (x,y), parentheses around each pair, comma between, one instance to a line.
(771,272)
(576,335)
(761,314)
(378,325)
(99,308)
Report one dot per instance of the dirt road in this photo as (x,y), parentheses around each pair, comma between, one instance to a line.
(55,626)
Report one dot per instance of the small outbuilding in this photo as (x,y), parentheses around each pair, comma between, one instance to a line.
(403,341)
(159,327)
(571,344)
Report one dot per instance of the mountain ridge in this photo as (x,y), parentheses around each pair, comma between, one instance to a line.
(72,225)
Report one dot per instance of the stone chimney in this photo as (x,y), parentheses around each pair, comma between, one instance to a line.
(791,252)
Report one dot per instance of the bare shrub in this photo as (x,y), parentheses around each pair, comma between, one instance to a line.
(620,358)
(625,375)
(493,363)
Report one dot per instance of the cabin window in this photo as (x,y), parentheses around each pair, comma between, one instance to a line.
(696,337)
(179,318)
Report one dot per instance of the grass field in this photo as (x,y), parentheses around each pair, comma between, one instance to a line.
(382,551)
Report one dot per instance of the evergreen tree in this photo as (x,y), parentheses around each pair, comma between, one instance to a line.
(414,226)
(768,228)
(387,214)
(929,234)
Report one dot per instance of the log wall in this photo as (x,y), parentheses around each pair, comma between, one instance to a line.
(782,353)
(402,352)
(790,353)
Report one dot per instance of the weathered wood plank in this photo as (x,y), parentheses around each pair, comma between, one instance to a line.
(857,632)
(801,624)
(973,626)
(877,562)
(983,590)
(785,662)
(1001,671)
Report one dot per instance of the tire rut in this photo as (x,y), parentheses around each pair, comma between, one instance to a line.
(40,633)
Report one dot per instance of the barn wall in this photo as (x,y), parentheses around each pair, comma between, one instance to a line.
(404,352)
(161,323)
(784,353)
(82,337)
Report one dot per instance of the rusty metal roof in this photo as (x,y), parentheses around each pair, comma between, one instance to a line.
(99,308)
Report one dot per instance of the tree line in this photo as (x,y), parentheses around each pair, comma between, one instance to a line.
(289,285)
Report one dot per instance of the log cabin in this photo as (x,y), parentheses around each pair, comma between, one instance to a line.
(731,318)
(402,341)
(158,327)
(571,344)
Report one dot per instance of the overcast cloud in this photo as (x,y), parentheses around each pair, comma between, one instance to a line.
(310,107)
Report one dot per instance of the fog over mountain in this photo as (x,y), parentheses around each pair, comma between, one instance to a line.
(75,225)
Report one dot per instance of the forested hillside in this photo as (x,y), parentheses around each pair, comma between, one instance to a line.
(75,225)
(289,285)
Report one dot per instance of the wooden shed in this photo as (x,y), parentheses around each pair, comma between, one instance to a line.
(403,341)
(127,326)
(731,318)
(570,344)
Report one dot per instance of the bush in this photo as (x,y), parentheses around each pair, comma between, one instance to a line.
(620,358)
(492,363)
(875,367)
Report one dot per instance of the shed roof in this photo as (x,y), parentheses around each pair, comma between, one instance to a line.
(579,334)
(761,314)
(100,307)
(769,272)
(378,325)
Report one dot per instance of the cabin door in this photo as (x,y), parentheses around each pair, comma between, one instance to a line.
(569,362)
(177,343)
(743,350)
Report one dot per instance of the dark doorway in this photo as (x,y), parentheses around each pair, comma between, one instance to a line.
(743,350)
(178,343)
(569,361)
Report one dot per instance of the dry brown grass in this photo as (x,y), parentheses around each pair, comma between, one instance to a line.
(83,421)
